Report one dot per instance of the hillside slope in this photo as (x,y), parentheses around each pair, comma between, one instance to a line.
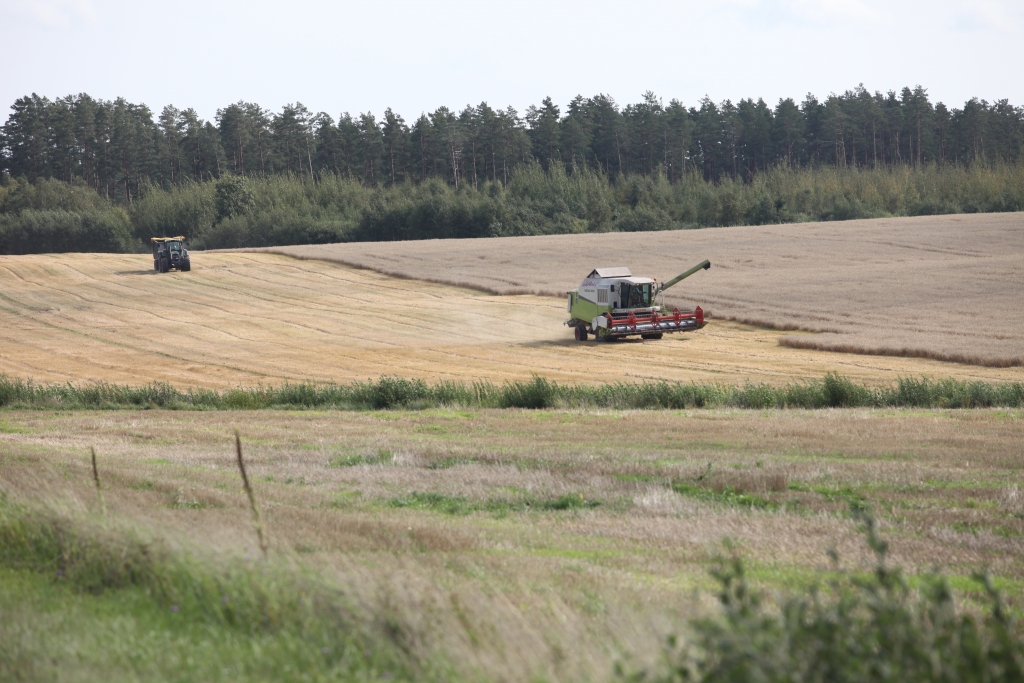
(243,318)
(943,287)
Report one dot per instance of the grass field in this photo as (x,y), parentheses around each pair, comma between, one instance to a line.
(944,287)
(500,544)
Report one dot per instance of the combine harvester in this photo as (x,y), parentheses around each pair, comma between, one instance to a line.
(612,304)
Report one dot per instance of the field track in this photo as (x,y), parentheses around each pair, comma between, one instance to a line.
(249,318)
(944,287)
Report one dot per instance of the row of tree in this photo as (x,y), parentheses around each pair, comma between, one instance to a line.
(119,148)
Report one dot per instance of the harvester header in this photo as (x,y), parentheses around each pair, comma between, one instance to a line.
(611,303)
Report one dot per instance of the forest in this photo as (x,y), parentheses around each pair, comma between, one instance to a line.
(77,172)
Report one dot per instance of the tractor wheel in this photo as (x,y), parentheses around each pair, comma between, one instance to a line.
(164,265)
(581,333)
(652,335)
(186,266)
(156,265)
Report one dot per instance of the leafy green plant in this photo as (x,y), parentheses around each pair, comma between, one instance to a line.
(856,629)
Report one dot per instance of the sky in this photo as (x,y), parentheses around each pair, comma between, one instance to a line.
(417,56)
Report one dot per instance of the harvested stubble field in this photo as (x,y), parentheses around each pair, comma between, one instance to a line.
(250,318)
(518,544)
(943,287)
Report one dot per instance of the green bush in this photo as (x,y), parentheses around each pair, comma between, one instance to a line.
(57,230)
(537,393)
(856,629)
(289,209)
(188,209)
(17,195)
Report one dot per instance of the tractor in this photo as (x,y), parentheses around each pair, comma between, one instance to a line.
(170,253)
(611,304)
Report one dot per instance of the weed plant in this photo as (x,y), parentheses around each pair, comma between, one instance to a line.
(832,391)
(861,629)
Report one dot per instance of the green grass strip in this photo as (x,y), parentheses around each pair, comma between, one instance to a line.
(269,619)
(832,391)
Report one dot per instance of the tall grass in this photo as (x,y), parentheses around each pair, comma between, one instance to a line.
(846,627)
(323,635)
(832,391)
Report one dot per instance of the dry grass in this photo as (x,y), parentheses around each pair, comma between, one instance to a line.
(244,319)
(460,527)
(941,287)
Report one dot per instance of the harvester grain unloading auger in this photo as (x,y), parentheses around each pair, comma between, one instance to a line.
(612,304)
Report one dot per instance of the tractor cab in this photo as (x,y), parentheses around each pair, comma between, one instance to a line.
(615,289)
(633,294)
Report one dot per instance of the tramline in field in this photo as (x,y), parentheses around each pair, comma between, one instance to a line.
(613,304)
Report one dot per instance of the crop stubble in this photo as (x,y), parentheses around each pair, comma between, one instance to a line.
(249,318)
(943,287)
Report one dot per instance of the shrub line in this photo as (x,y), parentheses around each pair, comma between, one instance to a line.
(832,391)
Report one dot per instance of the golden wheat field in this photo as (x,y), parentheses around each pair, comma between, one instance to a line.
(527,545)
(250,318)
(944,287)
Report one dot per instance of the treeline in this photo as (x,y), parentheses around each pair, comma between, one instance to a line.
(79,174)
(234,211)
(118,147)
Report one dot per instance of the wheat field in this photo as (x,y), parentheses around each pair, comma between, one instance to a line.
(943,287)
(251,318)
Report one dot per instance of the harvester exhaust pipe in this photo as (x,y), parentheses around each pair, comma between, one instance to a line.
(705,264)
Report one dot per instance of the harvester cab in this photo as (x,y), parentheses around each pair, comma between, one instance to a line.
(170,252)
(612,304)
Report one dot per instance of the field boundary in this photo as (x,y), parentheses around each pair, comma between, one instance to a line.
(832,391)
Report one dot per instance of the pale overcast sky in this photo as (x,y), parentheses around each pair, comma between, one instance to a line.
(417,56)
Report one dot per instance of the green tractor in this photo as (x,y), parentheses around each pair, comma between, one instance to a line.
(170,253)
(612,304)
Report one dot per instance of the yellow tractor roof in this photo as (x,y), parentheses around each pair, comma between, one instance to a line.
(179,238)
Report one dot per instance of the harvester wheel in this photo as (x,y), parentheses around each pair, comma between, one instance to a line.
(581,333)
(652,335)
